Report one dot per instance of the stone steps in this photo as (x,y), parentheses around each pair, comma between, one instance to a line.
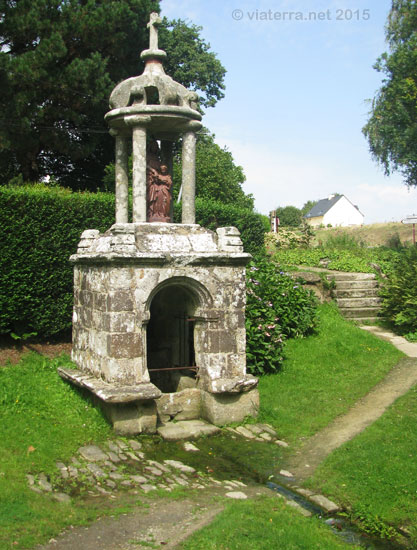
(361,284)
(357,303)
(340,276)
(356,295)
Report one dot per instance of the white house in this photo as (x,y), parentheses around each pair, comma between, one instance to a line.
(336,210)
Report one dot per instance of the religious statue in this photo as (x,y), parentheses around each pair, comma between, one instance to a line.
(158,185)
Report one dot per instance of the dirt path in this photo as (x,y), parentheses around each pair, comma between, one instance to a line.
(158,523)
(368,409)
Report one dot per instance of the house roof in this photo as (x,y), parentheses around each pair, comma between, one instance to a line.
(324,205)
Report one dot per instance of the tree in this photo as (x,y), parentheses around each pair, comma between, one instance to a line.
(59,61)
(307,206)
(289,216)
(392,127)
(217,176)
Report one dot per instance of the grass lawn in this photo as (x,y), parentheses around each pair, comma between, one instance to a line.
(42,420)
(376,473)
(323,376)
(264,524)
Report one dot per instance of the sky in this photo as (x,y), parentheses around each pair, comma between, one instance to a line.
(297,97)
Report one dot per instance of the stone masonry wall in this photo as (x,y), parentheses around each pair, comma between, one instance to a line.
(111,310)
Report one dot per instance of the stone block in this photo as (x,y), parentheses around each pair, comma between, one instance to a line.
(86,298)
(118,300)
(227,341)
(98,342)
(182,381)
(225,408)
(182,405)
(212,365)
(123,371)
(85,317)
(123,321)
(130,419)
(80,338)
(100,301)
(124,345)
(236,365)
(120,278)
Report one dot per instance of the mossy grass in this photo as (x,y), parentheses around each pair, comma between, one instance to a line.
(261,525)
(323,375)
(375,474)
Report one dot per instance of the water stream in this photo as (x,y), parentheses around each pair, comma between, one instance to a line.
(227,458)
(342,527)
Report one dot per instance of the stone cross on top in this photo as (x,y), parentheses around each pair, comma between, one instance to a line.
(153,25)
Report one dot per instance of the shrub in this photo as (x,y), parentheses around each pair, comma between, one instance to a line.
(399,293)
(277,308)
(342,241)
(40,229)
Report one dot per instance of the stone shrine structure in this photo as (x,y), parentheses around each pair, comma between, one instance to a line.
(159,308)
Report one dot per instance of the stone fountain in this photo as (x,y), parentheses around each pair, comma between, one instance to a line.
(159,307)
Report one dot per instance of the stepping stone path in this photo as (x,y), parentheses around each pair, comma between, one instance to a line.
(258,432)
(118,465)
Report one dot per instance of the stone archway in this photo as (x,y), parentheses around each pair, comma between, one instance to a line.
(174,308)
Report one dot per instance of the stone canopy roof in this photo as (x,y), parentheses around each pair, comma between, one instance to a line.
(154,96)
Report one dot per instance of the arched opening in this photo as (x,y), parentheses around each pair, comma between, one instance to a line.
(152,95)
(170,338)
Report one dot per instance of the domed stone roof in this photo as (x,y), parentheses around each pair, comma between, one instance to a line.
(164,105)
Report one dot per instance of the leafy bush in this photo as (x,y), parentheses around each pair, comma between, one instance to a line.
(399,293)
(342,241)
(277,308)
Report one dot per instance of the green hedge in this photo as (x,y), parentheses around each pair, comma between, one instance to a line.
(40,228)
(213,214)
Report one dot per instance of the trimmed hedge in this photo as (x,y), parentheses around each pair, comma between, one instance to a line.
(40,228)
(213,214)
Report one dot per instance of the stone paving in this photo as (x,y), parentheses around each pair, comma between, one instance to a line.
(408,348)
(121,464)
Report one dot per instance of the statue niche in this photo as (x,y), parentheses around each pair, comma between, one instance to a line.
(158,187)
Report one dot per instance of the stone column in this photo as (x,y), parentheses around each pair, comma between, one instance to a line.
(139,174)
(122,179)
(188,177)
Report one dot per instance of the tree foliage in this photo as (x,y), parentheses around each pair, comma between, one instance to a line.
(307,206)
(218,178)
(392,127)
(289,216)
(59,61)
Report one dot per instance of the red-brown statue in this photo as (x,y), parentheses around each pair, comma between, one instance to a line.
(159,184)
